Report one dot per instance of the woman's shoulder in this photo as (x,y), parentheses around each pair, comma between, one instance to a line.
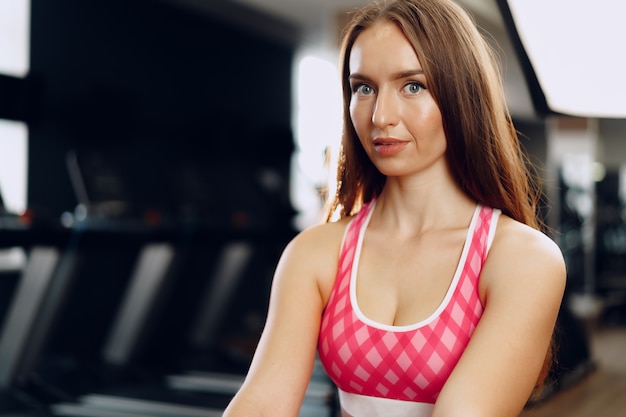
(315,252)
(328,229)
(321,236)
(522,254)
(517,237)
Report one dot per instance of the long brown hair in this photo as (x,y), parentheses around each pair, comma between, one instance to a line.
(463,73)
(464,77)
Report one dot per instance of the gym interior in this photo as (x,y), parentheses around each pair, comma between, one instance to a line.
(156,156)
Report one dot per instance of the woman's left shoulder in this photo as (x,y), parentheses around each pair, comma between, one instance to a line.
(524,240)
(519,251)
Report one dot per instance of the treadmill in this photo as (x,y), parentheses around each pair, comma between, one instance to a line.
(24,292)
(241,277)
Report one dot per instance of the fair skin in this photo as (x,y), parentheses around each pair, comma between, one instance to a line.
(411,249)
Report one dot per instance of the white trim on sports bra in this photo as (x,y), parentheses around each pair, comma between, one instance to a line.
(356,405)
(495,215)
(442,305)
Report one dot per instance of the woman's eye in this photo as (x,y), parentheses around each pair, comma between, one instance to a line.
(363,89)
(414,87)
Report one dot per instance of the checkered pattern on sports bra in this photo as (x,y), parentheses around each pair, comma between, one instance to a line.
(410,363)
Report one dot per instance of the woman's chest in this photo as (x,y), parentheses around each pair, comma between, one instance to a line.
(403,283)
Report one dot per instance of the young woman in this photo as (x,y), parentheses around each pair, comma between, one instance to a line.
(434,293)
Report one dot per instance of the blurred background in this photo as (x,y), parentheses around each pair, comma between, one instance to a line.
(157,155)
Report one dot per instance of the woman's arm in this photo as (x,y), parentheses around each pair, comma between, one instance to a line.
(281,369)
(522,286)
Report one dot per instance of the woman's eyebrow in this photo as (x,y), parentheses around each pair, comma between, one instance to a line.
(408,73)
(395,76)
(357,76)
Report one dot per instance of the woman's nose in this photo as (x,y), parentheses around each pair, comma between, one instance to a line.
(386,110)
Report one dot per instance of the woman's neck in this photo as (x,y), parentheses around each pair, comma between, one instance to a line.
(414,205)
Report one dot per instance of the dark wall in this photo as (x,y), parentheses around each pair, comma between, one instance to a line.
(155,85)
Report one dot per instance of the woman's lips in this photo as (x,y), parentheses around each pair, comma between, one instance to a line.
(389,146)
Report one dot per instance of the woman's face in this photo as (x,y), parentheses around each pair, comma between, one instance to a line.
(396,118)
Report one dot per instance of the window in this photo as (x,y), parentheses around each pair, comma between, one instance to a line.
(318,132)
(14,61)
(575,51)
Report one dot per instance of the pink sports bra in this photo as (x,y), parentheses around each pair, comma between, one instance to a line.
(372,362)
